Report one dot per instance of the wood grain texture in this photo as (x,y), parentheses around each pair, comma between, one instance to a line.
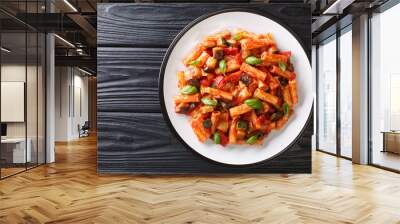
(128,79)
(156,25)
(142,143)
(132,134)
(71,191)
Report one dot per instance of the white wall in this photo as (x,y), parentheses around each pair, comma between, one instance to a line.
(17,73)
(71,102)
(62,82)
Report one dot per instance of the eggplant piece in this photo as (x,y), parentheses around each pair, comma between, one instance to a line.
(218,53)
(194,82)
(246,79)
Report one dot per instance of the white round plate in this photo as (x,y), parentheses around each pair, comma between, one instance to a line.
(278,140)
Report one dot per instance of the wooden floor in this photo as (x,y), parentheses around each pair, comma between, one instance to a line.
(70,191)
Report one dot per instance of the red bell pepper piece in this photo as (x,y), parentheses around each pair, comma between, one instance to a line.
(231,50)
(239,59)
(206,82)
(224,139)
(231,78)
(218,80)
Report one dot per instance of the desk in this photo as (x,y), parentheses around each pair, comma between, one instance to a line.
(391,141)
(16,147)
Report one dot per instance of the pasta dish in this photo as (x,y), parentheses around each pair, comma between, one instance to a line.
(237,87)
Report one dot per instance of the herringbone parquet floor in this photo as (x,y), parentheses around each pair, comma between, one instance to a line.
(70,191)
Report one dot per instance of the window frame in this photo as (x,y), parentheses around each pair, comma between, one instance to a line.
(334,37)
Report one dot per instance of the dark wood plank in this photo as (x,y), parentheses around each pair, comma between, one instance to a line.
(156,25)
(132,135)
(128,79)
(142,143)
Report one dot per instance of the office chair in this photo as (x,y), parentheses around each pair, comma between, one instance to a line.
(84,130)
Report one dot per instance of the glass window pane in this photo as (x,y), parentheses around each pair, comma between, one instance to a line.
(13,87)
(327,96)
(31,97)
(385,78)
(41,98)
(346,94)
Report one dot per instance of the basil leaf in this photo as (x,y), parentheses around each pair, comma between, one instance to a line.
(222,66)
(253,103)
(194,63)
(217,138)
(189,90)
(252,60)
(237,36)
(286,109)
(224,42)
(282,66)
(209,102)
(252,139)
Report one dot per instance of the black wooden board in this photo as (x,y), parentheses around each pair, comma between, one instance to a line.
(132,134)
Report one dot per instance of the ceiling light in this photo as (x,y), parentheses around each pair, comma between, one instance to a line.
(70,5)
(5,50)
(64,40)
(84,71)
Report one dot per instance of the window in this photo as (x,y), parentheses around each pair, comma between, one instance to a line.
(22,78)
(385,89)
(327,96)
(346,92)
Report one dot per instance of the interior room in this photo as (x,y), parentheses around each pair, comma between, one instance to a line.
(91,134)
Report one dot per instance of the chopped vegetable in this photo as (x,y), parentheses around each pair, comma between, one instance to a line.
(217,138)
(218,53)
(246,79)
(242,124)
(224,42)
(209,102)
(252,139)
(237,36)
(189,90)
(286,109)
(237,87)
(282,66)
(231,51)
(253,103)
(194,82)
(194,63)
(276,116)
(222,66)
(252,60)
